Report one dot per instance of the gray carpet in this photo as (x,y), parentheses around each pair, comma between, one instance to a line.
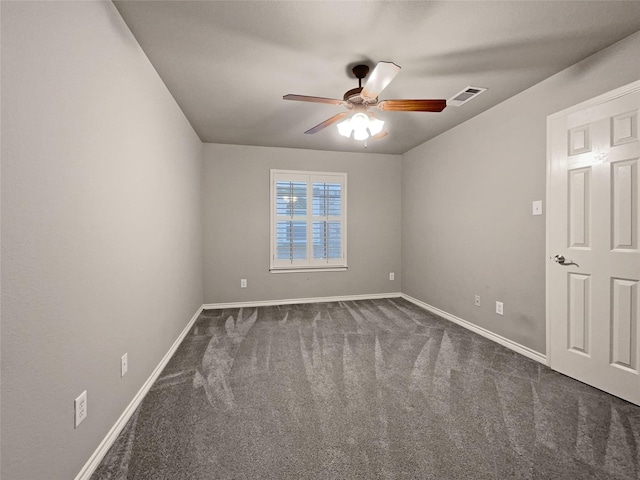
(375,389)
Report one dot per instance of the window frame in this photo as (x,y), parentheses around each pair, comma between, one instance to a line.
(309,264)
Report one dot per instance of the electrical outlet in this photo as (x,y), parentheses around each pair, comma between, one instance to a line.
(537,207)
(477,300)
(392,276)
(80,405)
(124,365)
(243,283)
(499,308)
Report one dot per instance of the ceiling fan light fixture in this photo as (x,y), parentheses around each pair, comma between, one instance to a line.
(361,126)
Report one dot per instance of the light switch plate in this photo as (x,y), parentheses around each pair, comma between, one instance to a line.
(537,207)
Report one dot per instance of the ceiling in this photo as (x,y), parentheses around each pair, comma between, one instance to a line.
(228,63)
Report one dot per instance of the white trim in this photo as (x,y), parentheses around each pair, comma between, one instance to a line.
(604,98)
(292,301)
(112,435)
(505,342)
(547,241)
(307,269)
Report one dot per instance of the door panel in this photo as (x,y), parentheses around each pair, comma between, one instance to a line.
(579,212)
(593,222)
(579,312)
(624,182)
(624,323)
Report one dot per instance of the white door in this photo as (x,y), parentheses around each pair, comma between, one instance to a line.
(593,222)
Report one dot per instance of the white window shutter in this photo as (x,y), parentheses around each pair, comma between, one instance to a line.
(308,220)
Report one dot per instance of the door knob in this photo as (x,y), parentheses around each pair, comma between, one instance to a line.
(562,261)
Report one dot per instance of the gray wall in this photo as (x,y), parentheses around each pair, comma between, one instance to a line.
(236,224)
(467,227)
(101,228)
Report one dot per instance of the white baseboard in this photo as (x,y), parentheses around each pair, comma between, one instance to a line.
(106,443)
(289,301)
(505,342)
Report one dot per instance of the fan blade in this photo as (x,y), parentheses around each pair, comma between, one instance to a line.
(412,105)
(327,122)
(380,135)
(379,79)
(305,98)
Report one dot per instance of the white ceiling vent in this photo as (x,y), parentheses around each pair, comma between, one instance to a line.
(464,96)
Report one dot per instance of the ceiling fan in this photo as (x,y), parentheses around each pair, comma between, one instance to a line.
(363,124)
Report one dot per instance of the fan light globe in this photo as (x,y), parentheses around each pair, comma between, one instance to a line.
(360,134)
(344,128)
(375,126)
(359,121)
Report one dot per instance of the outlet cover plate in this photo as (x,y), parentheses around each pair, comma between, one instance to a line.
(80,405)
(499,308)
(124,365)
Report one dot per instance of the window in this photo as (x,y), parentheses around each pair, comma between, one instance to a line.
(308,221)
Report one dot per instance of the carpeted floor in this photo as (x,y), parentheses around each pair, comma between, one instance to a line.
(377,389)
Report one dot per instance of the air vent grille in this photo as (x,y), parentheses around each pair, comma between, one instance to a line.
(464,96)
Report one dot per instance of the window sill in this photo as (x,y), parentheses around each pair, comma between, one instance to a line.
(307,269)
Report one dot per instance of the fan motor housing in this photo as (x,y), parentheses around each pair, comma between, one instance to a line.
(353,97)
(352,93)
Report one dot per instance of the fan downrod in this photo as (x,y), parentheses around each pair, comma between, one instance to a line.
(360,72)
